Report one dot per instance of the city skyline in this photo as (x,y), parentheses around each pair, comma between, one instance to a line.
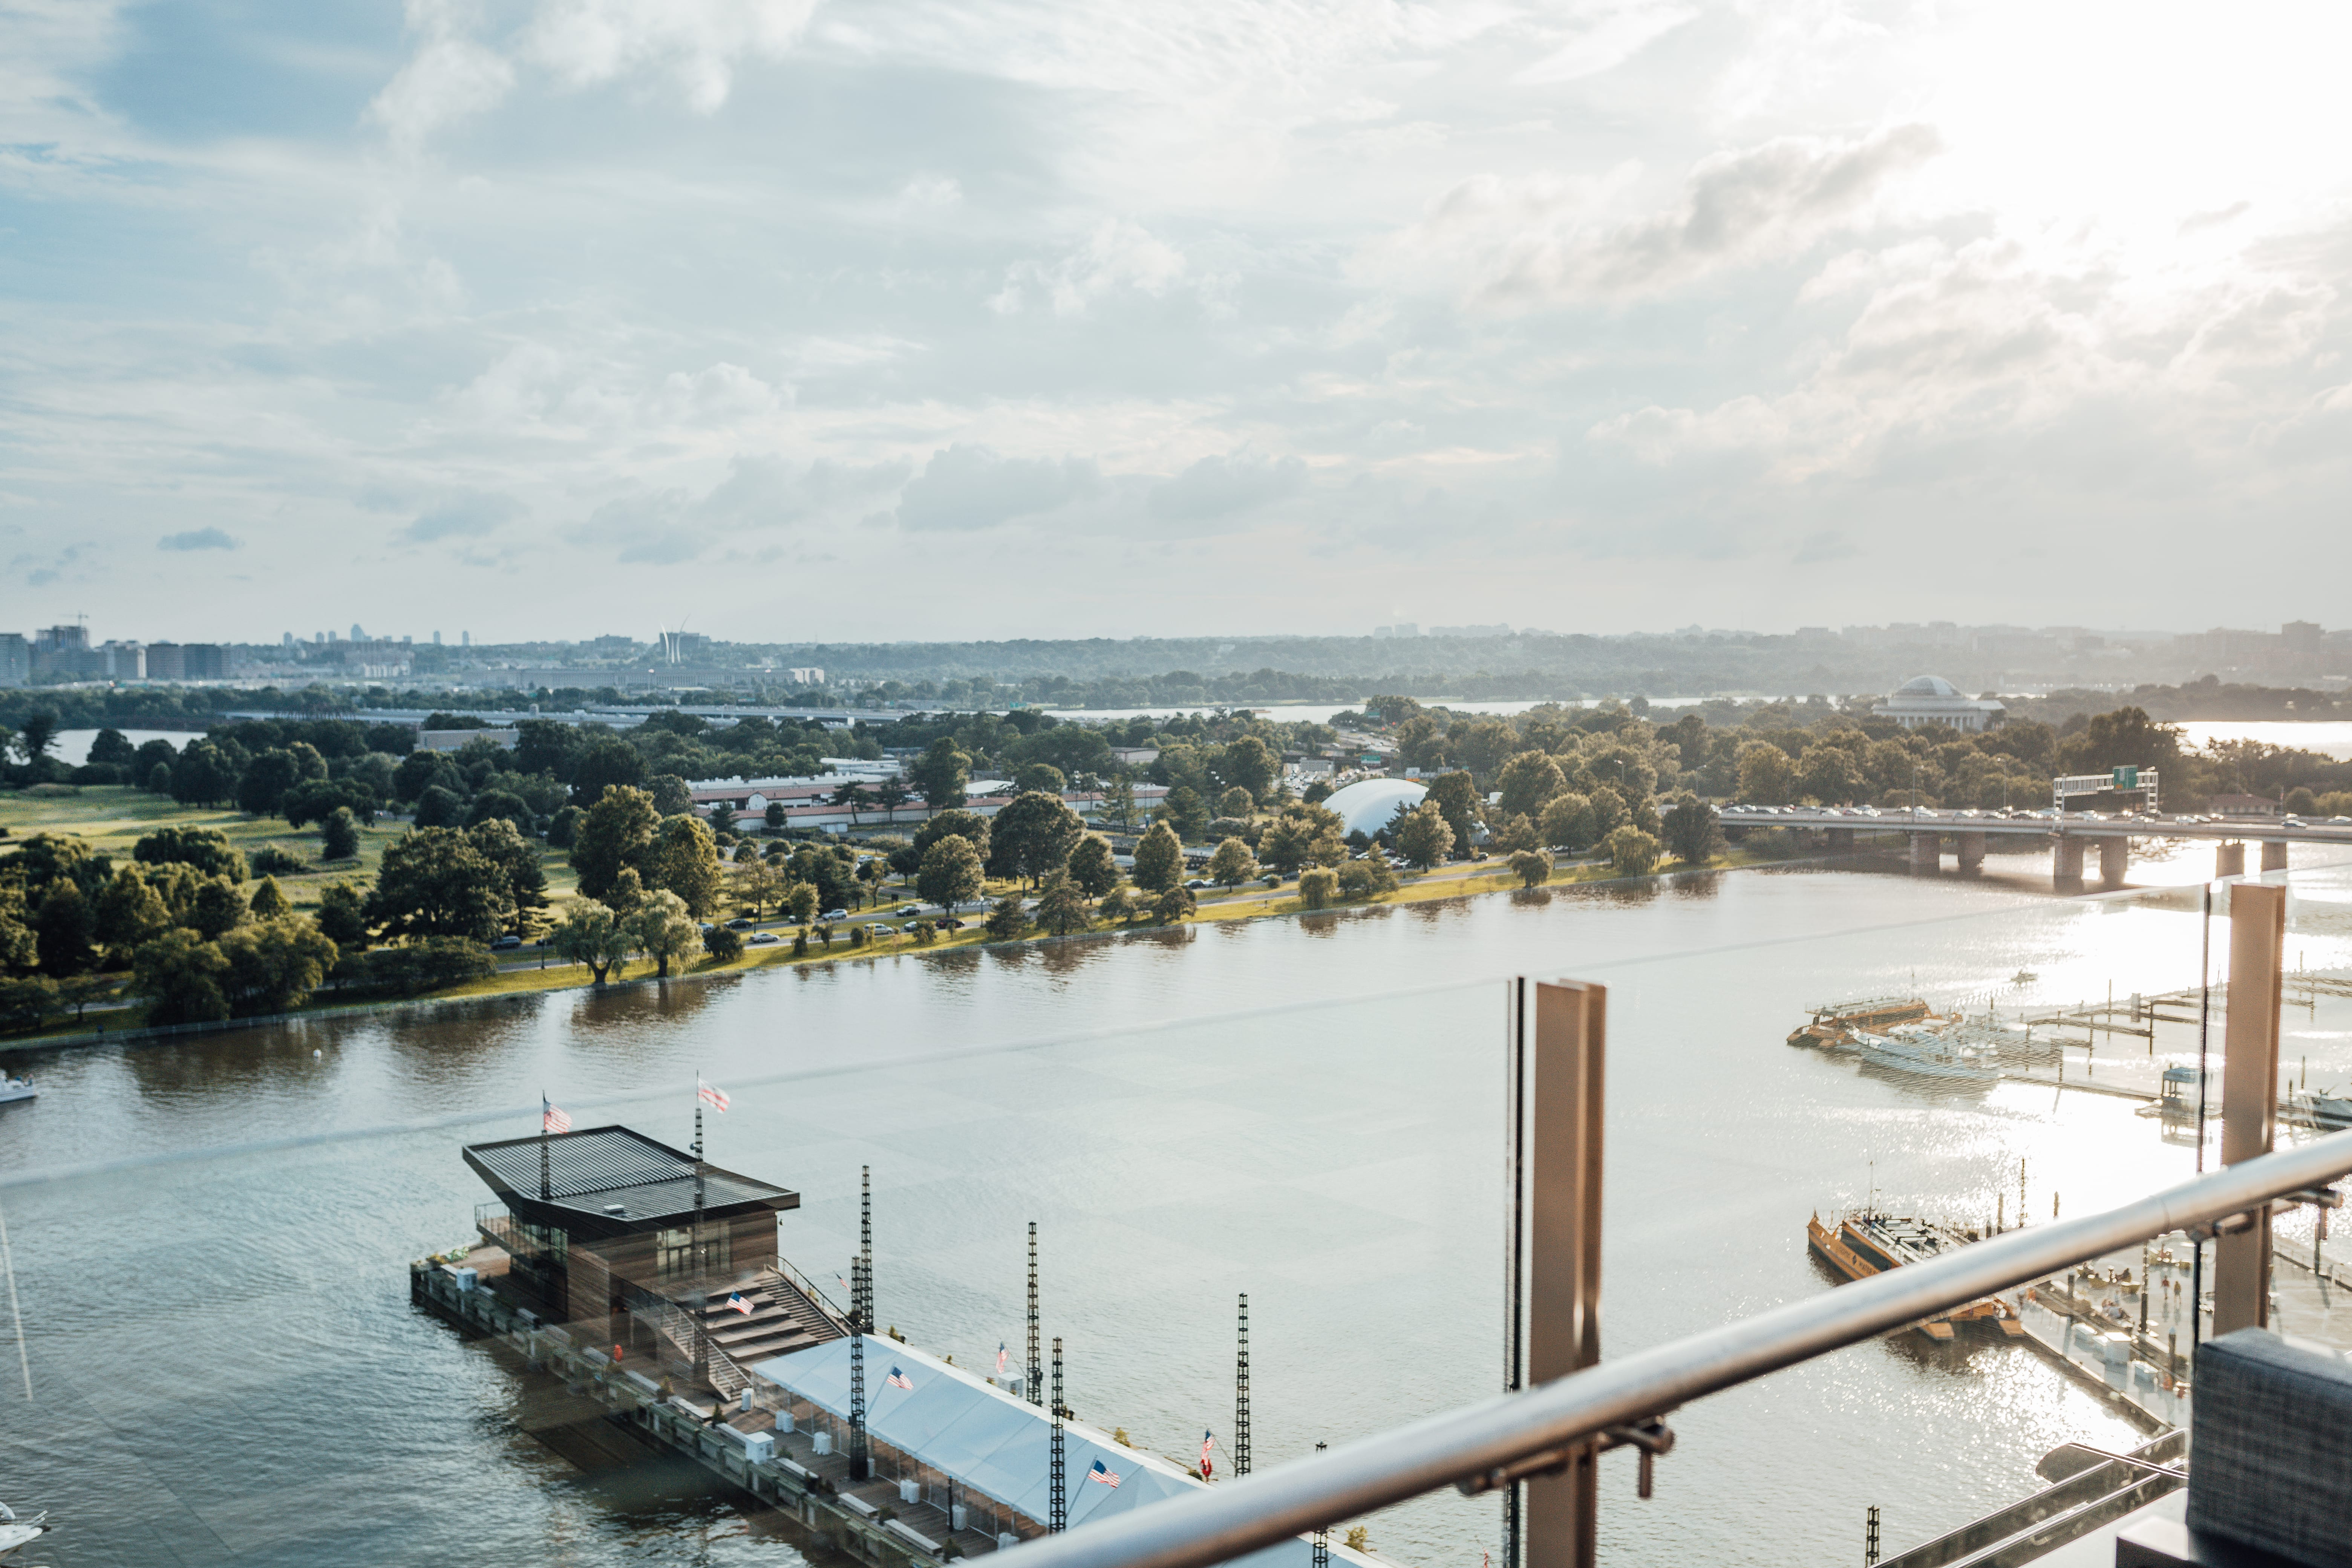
(980,323)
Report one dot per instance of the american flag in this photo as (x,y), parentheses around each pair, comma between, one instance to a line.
(550,1117)
(1207,1443)
(1000,1358)
(898,1380)
(710,1094)
(735,1300)
(1103,1473)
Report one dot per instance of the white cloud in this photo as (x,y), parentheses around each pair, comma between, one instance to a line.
(697,44)
(964,488)
(450,78)
(1118,254)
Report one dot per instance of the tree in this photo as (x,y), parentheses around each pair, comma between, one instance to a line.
(1185,812)
(591,934)
(440,807)
(1527,780)
(1516,833)
(1237,802)
(1456,795)
(606,763)
(217,910)
(274,965)
(950,873)
(1368,877)
(2122,737)
(683,859)
(209,852)
(159,779)
(433,881)
(1043,778)
(723,945)
(616,834)
(518,859)
(263,785)
(269,902)
(758,885)
(1766,777)
(1006,919)
(422,770)
(955,821)
(1159,859)
(1115,905)
(1319,888)
(27,1001)
(774,815)
(1173,905)
(1031,835)
(318,799)
(129,913)
(1118,803)
(343,914)
(1829,774)
(63,926)
(940,774)
(500,806)
(39,733)
(1304,834)
(666,932)
(802,900)
(1232,863)
(1062,905)
(112,748)
(851,794)
(1251,765)
(202,776)
(1693,831)
(1532,867)
(1631,851)
(1092,867)
(339,835)
(180,973)
(430,963)
(670,793)
(1423,835)
(151,755)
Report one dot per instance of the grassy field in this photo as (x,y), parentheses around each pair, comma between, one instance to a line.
(112,819)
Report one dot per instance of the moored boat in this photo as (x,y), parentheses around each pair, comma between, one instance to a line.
(1861,1244)
(1837,1023)
(15,1532)
(15,1088)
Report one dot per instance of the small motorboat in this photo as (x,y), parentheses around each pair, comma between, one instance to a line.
(15,1532)
(15,1088)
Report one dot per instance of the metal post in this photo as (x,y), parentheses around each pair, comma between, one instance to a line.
(1036,1387)
(702,1266)
(1322,1537)
(1564,1261)
(1515,1144)
(1058,1501)
(1241,1395)
(2242,1260)
(858,1471)
(1870,1537)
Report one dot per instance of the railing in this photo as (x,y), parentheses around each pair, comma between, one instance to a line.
(1506,1439)
(808,1287)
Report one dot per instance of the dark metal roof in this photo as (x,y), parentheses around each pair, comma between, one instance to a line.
(593,1169)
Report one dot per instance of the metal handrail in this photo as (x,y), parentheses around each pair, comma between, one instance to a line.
(1217,1525)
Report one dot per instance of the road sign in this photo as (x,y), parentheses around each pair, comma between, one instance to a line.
(2126,778)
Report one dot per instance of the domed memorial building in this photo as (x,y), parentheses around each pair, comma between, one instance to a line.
(1931,699)
(1368,805)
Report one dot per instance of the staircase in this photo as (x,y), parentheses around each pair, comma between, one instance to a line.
(781,1320)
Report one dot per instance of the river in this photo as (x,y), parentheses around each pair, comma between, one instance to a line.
(210,1238)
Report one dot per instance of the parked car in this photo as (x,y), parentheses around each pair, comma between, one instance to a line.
(1199,883)
(911,908)
(834,915)
(951,923)
(506,943)
(739,924)
(761,939)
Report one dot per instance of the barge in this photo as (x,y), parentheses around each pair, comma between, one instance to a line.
(1860,1245)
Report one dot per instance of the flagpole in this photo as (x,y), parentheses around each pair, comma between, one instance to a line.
(545,1106)
(702,1334)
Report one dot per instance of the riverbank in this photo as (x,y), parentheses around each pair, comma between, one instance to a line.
(1461,881)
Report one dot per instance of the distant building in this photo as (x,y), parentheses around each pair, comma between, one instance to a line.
(805,675)
(1499,629)
(1931,699)
(2243,805)
(16,658)
(186,661)
(1401,629)
(2302,637)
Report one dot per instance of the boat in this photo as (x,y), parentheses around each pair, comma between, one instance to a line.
(1835,1023)
(15,1532)
(1867,1242)
(15,1088)
(2329,1110)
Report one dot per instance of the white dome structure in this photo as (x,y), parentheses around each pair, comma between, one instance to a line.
(1931,699)
(1367,805)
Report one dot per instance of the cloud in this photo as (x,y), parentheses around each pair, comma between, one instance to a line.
(967,487)
(1220,487)
(585,43)
(1612,35)
(1533,239)
(760,496)
(467,516)
(1827,544)
(1117,255)
(198,539)
(451,77)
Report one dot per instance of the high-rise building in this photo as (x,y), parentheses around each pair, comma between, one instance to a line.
(16,658)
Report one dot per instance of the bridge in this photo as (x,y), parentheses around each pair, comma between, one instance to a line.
(2070,834)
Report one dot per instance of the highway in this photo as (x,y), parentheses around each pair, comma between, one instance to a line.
(2044,823)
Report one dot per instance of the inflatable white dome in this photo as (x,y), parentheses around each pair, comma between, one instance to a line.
(1368,805)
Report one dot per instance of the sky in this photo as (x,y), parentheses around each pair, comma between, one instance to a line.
(812,320)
